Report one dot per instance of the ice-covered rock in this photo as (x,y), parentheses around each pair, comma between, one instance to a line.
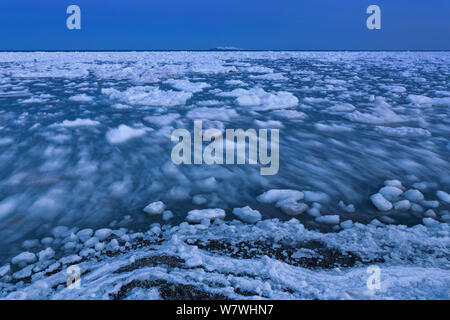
(443,196)
(380,202)
(329,219)
(402,205)
(247,214)
(413,195)
(390,193)
(155,208)
(196,216)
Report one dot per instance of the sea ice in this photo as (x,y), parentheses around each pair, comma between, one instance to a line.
(155,208)
(196,216)
(413,195)
(247,214)
(123,133)
(443,196)
(390,193)
(402,205)
(380,202)
(330,219)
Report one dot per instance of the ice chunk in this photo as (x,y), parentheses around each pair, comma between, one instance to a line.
(347,208)
(275,195)
(413,195)
(60,231)
(390,193)
(4,270)
(102,234)
(29,244)
(167,215)
(196,216)
(394,183)
(155,208)
(81,98)
(313,212)
(292,208)
(430,222)
(148,96)
(330,219)
(220,114)
(347,224)
(404,131)
(199,200)
(188,86)
(46,254)
(263,100)
(24,259)
(443,196)
(84,234)
(123,133)
(380,202)
(430,203)
(77,123)
(430,214)
(402,205)
(247,214)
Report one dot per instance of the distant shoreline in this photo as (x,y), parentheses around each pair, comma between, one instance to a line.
(216,50)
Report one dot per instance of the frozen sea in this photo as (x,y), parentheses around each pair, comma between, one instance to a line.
(364,172)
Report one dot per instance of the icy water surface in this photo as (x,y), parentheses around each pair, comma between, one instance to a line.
(347,121)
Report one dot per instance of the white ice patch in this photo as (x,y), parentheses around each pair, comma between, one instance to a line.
(123,133)
(403,131)
(77,123)
(261,99)
(148,96)
(81,98)
(247,214)
(188,86)
(219,114)
(197,216)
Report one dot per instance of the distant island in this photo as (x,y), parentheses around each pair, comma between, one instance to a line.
(226,49)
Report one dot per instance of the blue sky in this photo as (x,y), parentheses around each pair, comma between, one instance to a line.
(205,24)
